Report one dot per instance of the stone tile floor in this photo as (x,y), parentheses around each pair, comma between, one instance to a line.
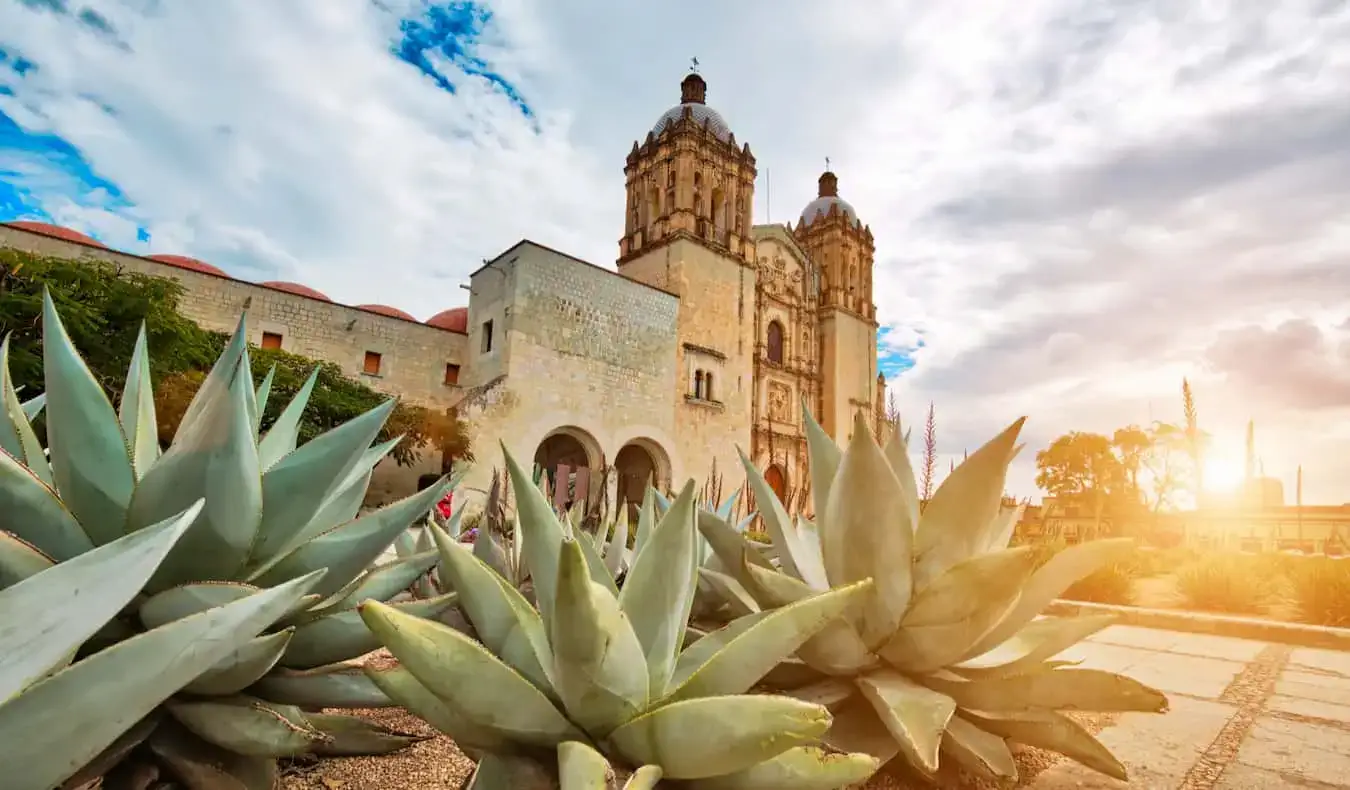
(1244,714)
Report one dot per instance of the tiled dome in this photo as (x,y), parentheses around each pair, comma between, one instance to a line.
(693,91)
(827,199)
(456,319)
(295,288)
(386,310)
(56,232)
(184,262)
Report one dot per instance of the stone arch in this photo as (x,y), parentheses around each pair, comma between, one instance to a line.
(774,342)
(571,458)
(638,461)
(776,476)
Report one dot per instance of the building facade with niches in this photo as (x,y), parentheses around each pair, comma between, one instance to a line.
(708,338)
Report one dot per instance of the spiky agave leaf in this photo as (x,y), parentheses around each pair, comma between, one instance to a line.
(608,671)
(952,626)
(276,516)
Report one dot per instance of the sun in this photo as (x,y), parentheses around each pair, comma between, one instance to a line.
(1223,473)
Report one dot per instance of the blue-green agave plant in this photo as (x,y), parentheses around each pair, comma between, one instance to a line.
(273,513)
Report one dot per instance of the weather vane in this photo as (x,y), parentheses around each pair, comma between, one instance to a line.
(693,65)
(827,164)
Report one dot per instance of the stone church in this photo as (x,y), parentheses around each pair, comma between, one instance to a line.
(706,338)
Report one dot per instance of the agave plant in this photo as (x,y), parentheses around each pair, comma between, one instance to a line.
(273,513)
(604,669)
(946,655)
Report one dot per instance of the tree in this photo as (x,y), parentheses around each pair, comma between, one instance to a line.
(1084,467)
(1162,461)
(1131,444)
(928,472)
(103,307)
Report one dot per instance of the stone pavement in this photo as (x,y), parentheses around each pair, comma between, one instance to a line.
(1244,714)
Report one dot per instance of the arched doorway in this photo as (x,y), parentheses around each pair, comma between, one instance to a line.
(777,480)
(564,457)
(635,467)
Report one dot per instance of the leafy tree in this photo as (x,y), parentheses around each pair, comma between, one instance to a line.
(1131,445)
(102,308)
(1165,463)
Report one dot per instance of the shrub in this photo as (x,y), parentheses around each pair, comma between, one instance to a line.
(1231,583)
(1321,586)
(1113,584)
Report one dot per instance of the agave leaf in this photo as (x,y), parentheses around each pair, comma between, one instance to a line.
(281,438)
(294,488)
(794,556)
(858,728)
(598,666)
(644,778)
(956,522)
(970,586)
(251,402)
(595,564)
(500,615)
(927,648)
(824,456)
(36,514)
(1001,531)
(896,451)
(89,460)
(178,602)
(802,768)
(344,635)
(137,409)
(242,668)
(730,591)
(618,544)
(658,592)
(77,598)
(344,503)
(744,658)
(706,645)
(90,776)
(1058,689)
(729,544)
(408,692)
(381,583)
(509,772)
(260,397)
(581,768)
(333,686)
(541,536)
(199,765)
(916,716)
(244,725)
(1038,641)
(348,550)
(837,649)
(215,457)
(1048,583)
(978,751)
(867,531)
(1053,731)
(832,693)
(16,432)
(41,744)
(457,669)
(646,520)
(700,738)
(350,736)
(217,381)
(19,560)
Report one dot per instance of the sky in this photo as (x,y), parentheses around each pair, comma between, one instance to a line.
(1076,203)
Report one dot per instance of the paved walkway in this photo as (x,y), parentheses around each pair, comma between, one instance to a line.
(1243,714)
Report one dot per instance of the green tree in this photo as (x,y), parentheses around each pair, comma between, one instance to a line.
(103,306)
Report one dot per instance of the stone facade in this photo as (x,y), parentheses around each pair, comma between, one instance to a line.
(707,340)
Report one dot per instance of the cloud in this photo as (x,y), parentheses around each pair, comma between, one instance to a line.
(1076,202)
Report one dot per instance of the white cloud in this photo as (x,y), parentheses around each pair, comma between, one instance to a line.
(1073,201)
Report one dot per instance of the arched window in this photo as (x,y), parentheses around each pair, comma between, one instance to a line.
(698,384)
(707,386)
(775,343)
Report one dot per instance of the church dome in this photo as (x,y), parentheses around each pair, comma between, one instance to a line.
(828,198)
(386,310)
(295,288)
(456,319)
(56,232)
(693,92)
(184,262)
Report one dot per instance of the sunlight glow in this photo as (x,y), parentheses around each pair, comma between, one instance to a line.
(1224,473)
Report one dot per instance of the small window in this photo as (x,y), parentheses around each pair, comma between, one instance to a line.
(774,346)
(451,375)
(707,386)
(487,336)
(271,340)
(371,365)
(698,384)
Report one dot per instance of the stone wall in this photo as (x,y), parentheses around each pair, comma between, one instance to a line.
(582,351)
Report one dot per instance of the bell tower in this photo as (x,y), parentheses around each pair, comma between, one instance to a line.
(841,246)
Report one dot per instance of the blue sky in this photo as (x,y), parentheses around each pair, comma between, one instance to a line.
(1075,202)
